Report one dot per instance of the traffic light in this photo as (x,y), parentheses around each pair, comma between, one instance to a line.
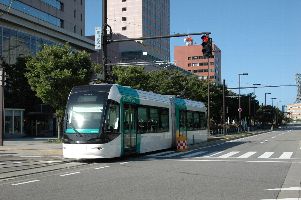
(207,46)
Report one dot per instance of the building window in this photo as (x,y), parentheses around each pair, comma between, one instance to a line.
(123,0)
(124,9)
(195,64)
(17,5)
(81,17)
(123,18)
(195,57)
(189,58)
(189,64)
(74,13)
(123,28)
(74,28)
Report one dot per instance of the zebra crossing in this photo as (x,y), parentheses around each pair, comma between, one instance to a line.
(222,155)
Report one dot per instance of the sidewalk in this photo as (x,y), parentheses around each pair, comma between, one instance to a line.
(29,146)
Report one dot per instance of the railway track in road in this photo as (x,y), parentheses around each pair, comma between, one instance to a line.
(18,167)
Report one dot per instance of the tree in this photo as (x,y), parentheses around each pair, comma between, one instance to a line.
(54,71)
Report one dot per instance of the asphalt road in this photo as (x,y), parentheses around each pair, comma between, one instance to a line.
(265,166)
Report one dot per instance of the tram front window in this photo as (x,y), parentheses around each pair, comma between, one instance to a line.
(84,117)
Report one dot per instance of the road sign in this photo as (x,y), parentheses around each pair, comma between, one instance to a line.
(239,109)
(97,37)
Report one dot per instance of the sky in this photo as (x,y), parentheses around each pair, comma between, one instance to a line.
(258,37)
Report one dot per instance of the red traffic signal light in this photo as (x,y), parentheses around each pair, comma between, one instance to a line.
(207,46)
(205,38)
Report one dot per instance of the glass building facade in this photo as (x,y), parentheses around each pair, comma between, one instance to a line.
(25,27)
(15,44)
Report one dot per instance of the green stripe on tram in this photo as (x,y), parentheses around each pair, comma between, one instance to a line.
(86,131)
(129,95)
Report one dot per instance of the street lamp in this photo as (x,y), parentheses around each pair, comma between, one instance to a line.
(239,108)
(265,98)
(273,101)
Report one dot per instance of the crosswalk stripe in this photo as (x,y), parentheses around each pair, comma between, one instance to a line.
(266,155)
(194,154)
(247,155)
(214,154)
(227,155)
(286,155)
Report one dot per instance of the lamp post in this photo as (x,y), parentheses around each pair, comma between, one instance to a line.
(265,98)
(239,108)
(273,101)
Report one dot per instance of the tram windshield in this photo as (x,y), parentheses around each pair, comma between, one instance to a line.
(84,113)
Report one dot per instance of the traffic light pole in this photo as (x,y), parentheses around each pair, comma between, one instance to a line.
(1,100)
(208,98)
(105,39)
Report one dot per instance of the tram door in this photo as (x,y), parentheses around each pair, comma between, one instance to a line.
(130,130)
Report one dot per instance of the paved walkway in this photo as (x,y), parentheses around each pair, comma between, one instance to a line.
(29,146)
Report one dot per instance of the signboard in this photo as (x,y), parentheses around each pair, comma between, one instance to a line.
(97,37)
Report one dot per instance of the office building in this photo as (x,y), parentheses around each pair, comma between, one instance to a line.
(142,18)
(190,58)
(294,111)
(27,25)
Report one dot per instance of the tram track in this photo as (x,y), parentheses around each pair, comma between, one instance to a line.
(34,169)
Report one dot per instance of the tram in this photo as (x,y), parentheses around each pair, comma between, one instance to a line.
(110,120)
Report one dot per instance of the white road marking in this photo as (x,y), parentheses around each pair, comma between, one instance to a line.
(227,155)
(266,155)
(213,154)
(266,161)
(247,155)
(122,163)
(286,189)
(69,174)
(286,155)
(31,156)
(284,199)
(102,167)
(195,154)
(51,161)
(191,160)
(25,182)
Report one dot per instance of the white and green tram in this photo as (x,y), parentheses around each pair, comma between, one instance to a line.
(110,120)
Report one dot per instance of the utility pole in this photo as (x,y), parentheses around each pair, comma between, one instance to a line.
(104,40)
(224,106)
(1,99)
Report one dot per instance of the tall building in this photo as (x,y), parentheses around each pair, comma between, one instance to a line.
(190,58)
(294,111)
(142,18)
(27,25)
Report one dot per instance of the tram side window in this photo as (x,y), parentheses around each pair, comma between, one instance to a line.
(164,120)
(152,120)
(203,121)
(196,121)
(112,118)
(190,121)
(182,120)
(142,120)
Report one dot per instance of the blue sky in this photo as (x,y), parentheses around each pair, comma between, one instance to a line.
(258,37)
